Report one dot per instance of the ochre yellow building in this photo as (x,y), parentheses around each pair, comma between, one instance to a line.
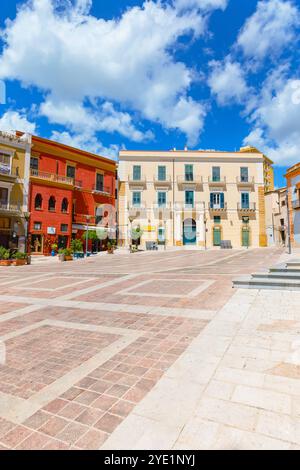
(293,188)
(14,186)
(198,198)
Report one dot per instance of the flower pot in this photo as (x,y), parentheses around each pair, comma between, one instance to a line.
(61,257)
(5,262)
(53,253)
(68,258)
(29,259)
(19,262)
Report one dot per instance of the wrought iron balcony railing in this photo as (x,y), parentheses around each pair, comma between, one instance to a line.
(51,177)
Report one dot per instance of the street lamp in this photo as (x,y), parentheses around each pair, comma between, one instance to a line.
(26,217)
(88,218)
(131,219)
(288,221)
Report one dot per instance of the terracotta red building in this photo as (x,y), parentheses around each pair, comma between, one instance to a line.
(67,188)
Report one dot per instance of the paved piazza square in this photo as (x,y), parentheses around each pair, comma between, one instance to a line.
(148,351)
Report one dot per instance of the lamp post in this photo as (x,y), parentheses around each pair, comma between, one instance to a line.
(131,219)
(26,217)
(288,222)
(88,217)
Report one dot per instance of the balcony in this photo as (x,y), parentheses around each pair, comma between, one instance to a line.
(8,208)
(8,174)
(141,181)
(217,182)
(218,208)
(162,208)
(296,204)
(167,182)
(104,190)
(134,209)
(246,208)
(78,184)
(51,177)
(245,182)
(195,181)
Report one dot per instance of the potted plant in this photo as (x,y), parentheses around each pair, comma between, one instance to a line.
(53,249)
(77,248)
(4,257)
(61,254)
(110,248)
(19,259)
(68,254)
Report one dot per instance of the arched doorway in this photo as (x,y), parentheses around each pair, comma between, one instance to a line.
(189,232)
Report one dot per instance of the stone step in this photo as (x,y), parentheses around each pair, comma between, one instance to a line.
(265,283)
(278,275)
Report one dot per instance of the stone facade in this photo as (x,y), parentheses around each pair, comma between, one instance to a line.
(193,197)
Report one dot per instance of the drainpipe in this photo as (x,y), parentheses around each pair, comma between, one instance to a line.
(288,222)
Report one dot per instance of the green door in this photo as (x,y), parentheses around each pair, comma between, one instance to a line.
(245,238)
(217,236)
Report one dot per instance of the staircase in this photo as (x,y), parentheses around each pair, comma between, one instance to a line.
(282,277)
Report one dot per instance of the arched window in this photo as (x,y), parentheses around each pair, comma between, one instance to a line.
(64,205)
(38,201)
(51,204)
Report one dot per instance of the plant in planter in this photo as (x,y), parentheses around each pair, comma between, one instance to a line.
(19,259)
(110,248)
(68,254)
(53,249)
(61,254)
(77,248)
(4,257)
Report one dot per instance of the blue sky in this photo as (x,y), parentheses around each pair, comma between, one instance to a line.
(105,75)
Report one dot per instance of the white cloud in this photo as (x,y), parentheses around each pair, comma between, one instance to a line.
(100,118)
(227,82)
(276,121)
(269,29)
(72,56)
(201,4)
(85,142)
(16,121)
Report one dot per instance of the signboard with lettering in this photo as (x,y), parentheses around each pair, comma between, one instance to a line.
(51,230)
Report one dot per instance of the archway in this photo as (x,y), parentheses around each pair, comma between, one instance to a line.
(189,232)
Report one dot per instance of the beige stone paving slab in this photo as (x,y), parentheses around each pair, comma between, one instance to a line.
(279,426)
(223,411)
(240,376)
(177,408)
(142,433)
(219,389)
(197,434)
(261,398)
(234,439)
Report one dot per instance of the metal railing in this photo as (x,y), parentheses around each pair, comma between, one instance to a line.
(221,180)
(190,179)
(245,180)
(134,180)
(218,207)
(163,181)
(10,207)
(106,190)
(51,177)
(296,204)
(246,207)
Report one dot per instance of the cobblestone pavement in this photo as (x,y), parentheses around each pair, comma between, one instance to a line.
(149,350)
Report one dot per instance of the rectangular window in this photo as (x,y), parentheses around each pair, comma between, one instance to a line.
(136,198)
(99,182)
(245,200)
(189,173)
(34,163)
(3,196)
(217,219)
(137,174)
(71,170)
(64,227)
(244,174)
(37,226)
(216,173)
(161,199)
(217,200)
(5,162)
(189,198)
(161,173)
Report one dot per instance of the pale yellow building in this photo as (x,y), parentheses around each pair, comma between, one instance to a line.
(14,189)
(197,198)
(276,217)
